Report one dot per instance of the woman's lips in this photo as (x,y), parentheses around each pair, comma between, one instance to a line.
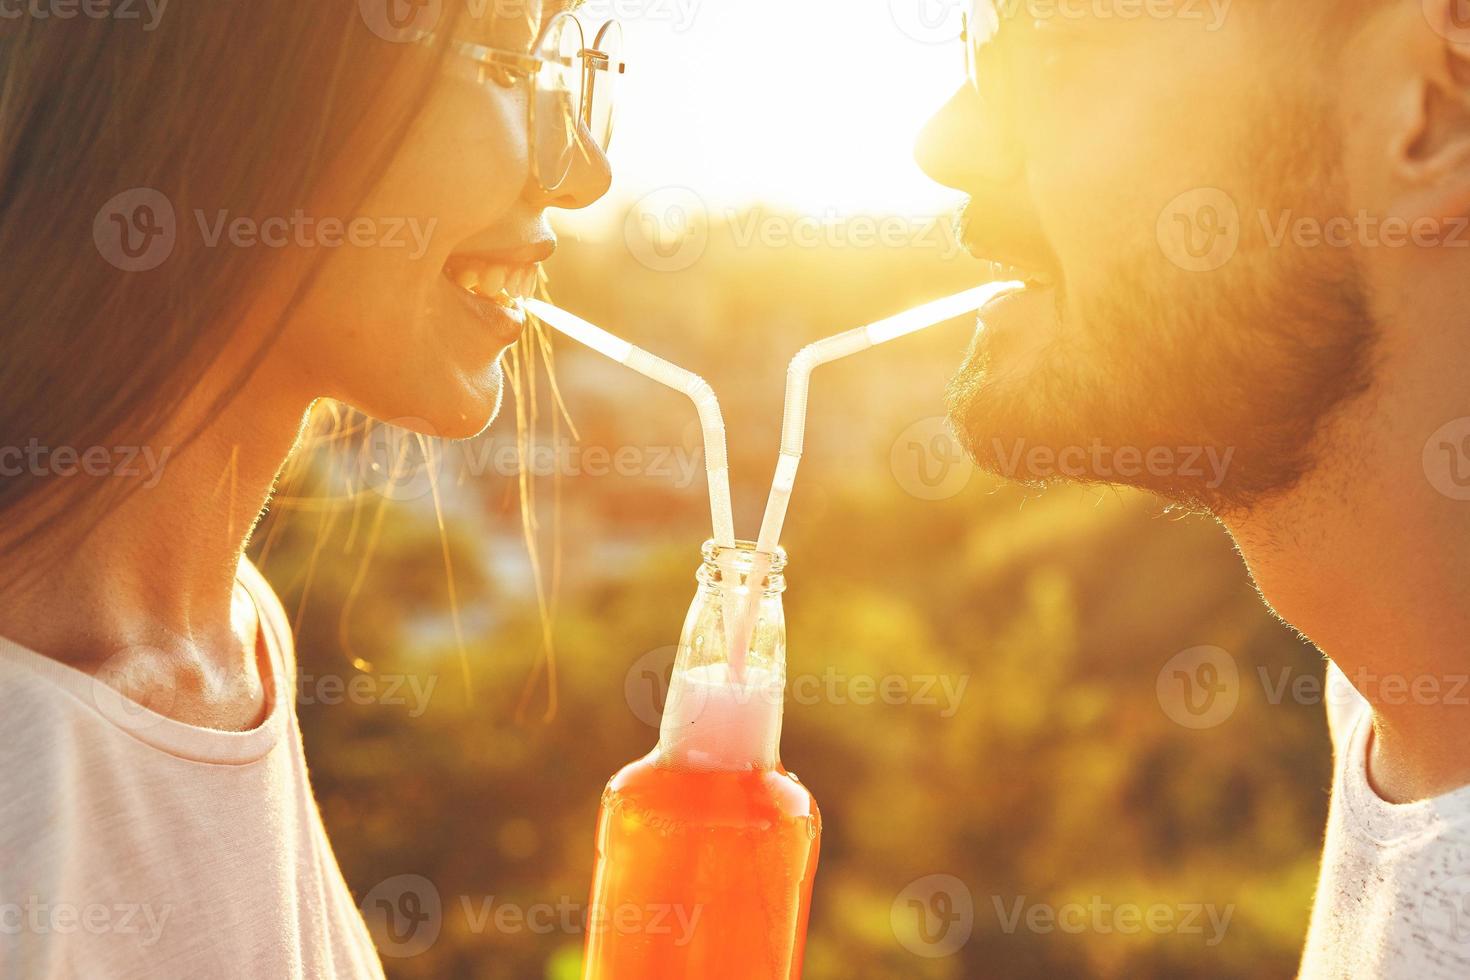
(502,282)
(493,290)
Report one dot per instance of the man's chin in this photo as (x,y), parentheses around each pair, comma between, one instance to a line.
(1004,389)
(1009,441)
(1034,406)
(1015,331)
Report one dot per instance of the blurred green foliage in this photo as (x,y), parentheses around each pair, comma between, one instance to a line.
(1056,777)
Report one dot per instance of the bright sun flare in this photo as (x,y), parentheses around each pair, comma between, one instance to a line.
(807,104)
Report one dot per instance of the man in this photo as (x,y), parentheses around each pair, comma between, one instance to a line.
(1249,234)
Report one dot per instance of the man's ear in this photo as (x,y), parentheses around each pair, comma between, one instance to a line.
(1430,139)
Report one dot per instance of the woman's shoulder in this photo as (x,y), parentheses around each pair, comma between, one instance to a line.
(37,696)
(38,756)
(273,620)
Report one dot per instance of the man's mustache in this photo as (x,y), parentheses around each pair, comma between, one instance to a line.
(1005,236)
(964,224)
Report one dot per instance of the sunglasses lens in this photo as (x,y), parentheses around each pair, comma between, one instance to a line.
(985,18)
(558,92)
(980,29)
(606,79)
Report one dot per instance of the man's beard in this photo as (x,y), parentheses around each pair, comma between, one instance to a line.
(1209,390)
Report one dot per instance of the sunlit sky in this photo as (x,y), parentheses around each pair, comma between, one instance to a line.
(808,104)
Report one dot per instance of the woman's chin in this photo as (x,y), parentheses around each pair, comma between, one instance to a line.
(479,407)
(457,409)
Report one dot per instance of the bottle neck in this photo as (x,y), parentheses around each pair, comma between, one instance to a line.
(735,570)
(716,717)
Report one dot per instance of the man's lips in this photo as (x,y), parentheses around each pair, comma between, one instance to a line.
(1018,325)
(1028,260)
(1005,272)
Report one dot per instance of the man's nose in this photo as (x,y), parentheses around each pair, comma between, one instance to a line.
(586,182)
(968,144)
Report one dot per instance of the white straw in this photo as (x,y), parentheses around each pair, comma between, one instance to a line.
(716,456)
(793,426)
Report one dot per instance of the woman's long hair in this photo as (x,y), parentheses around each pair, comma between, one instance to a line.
(214,105)
(237,106)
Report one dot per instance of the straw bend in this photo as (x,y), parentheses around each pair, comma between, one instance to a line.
(699,391)
(836,347)
(712,422)
(793,425)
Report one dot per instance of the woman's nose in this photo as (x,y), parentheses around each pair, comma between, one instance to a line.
(588,179)
(968,144)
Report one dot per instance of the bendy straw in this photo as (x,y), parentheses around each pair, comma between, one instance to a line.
(793,426)
(716,457)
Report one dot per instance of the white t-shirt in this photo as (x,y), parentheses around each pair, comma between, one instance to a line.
(133,846)
(1393,900)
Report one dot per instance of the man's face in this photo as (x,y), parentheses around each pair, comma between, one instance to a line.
(1134,162)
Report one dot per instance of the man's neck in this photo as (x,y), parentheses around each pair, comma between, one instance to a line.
(1372,563)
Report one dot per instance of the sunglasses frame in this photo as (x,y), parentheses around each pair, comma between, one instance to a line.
(523,67)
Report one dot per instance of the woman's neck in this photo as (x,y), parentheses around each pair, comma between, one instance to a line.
(158,568)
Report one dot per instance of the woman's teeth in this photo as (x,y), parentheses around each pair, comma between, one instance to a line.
(494,281)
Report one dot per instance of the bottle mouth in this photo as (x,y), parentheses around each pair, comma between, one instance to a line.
(726,566)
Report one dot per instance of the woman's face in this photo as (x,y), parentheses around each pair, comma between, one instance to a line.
(408,318)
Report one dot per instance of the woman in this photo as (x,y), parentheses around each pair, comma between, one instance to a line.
(213,215)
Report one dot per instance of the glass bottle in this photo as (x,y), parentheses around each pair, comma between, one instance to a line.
(707,847)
